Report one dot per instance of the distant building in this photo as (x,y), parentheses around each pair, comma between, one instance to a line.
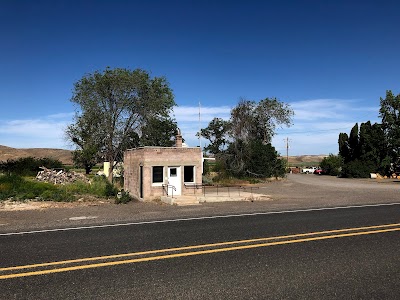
(151,172)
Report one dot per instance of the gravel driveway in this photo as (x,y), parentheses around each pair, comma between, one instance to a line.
(305,191)
(298,191)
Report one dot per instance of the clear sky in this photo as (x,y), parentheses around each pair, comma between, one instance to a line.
(330,60)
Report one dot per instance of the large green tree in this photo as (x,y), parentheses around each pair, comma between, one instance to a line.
(242,143)
(117,104)
(251,120)
(373,147)
(344,146)
(87,140)
(217,134)
(158,131)
(364,151)
(390,114)
(354,143)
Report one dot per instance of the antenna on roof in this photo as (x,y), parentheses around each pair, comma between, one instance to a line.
(200,124)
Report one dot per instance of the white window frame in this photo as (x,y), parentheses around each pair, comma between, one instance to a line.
(152,176)
(194,174)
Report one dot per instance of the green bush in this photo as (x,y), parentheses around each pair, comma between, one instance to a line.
(206,167)
(253,180)
(206,180)
(101,187)
(119,181)
(123,198)
(219,166)
(357,169)
(332,164)
(60,195)
(253,159)
(21,189)
(10,186)
(28,166)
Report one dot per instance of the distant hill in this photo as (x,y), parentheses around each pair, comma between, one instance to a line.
(63,155)
(304,159)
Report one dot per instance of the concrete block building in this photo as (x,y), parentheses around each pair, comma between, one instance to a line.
(151,172)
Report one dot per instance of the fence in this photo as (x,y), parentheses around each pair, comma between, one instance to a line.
(221,190)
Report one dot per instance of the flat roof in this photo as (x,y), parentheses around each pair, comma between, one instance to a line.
(156,147)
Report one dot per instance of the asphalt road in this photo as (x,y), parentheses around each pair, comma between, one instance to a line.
(347,253)
(299,191)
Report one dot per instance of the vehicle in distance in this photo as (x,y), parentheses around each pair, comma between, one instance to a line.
(309,170)
(320,172)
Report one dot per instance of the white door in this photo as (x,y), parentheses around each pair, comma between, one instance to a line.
(174,179)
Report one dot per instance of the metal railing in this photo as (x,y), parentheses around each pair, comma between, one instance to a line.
(212,189)
(230,190)
(194,186)
(166,187)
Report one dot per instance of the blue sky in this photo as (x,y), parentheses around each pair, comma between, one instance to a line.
(330,60)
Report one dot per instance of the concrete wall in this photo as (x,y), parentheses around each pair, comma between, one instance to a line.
(147,157)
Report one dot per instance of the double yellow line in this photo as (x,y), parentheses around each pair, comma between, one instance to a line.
(135,257)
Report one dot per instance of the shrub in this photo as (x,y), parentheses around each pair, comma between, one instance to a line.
(110,190)
(219,166)
(253,158)
(357,169)
(101,187)
(28,166)
(118,182)
(9,186)
(254,180)
(63,194)
(206,180)
(331,164)
(123,198)
(206,167)
(21,189)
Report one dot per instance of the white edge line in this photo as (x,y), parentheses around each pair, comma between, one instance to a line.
(198,218)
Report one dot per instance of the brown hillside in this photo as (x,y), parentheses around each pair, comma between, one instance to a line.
(63,155)
(304,159)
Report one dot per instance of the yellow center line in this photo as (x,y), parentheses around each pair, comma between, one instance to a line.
(201,252)
(149,252)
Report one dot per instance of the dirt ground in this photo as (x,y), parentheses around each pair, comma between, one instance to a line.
(298,191)
(10,205)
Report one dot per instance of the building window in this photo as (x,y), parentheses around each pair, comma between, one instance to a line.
(188,173)
(158,174)
(173,172)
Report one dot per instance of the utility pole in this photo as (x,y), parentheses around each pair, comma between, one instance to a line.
(287,152)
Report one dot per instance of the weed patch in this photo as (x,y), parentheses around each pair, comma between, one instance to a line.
(20,188)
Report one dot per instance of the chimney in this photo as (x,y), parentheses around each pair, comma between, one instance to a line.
(178,139)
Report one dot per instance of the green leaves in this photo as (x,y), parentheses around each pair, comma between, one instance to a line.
(251,120)
(390,114)
(332,164)
(114,106)
(373,148)
(217,133)
(365,151)
(243,142)
(28,166)
(159,132)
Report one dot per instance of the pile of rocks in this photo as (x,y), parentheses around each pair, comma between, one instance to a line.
(58,176)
